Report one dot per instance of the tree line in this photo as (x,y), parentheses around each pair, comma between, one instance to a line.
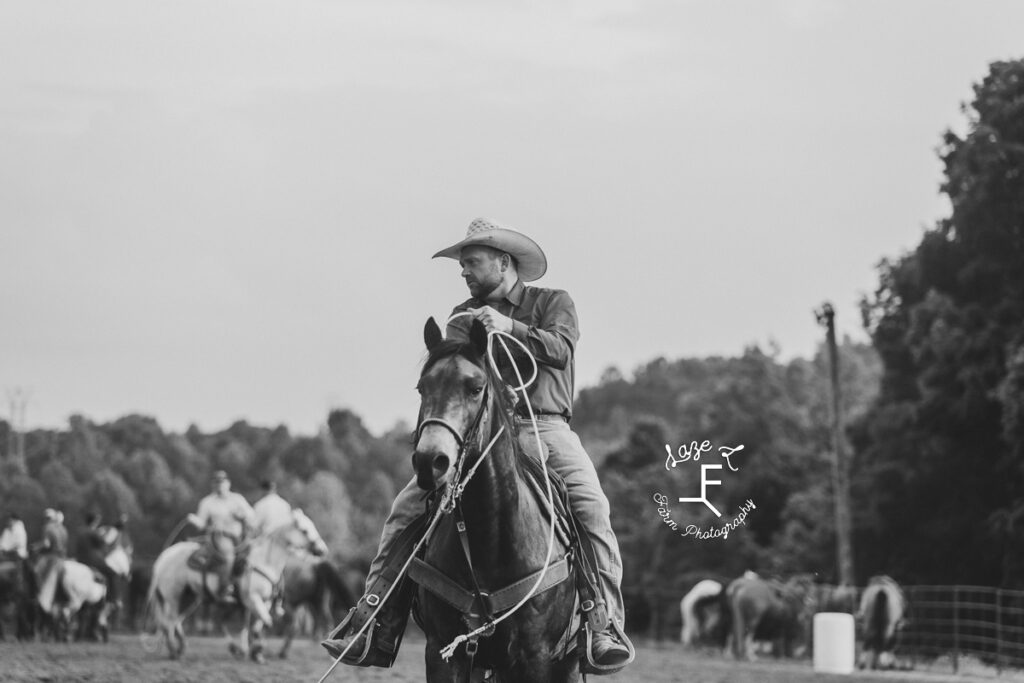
(933,408)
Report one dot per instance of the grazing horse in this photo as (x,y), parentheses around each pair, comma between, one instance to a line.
(702,613)
(770,610)
(174,582)
(491,545)
(316,584)
(880,617)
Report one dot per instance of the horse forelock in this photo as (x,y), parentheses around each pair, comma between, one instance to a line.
(499,401)
(450,348)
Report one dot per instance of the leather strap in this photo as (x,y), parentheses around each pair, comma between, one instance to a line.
(465,600)
(403,546)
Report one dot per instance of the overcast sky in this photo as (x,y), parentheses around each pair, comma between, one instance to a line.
(216,210)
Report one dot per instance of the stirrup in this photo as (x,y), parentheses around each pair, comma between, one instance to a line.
(371,654)
(587,663)
(335,644)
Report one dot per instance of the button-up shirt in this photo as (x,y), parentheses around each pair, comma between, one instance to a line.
(545,321)
(271,511)
(13,539)
(231,514)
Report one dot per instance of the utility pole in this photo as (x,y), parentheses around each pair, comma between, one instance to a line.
(17,400)
(840,465)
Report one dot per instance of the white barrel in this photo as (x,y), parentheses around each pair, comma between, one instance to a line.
(834,643)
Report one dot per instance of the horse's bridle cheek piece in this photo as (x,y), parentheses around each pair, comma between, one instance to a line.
(462,442)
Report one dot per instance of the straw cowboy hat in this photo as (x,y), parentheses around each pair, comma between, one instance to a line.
(530,260)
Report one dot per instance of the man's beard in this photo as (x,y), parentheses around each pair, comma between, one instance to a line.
(483,289)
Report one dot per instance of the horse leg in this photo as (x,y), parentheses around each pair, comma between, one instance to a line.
(103,621)
(65,624)
(739,636)
(749,646)
(256,642)
(178,634)
(289,633)
(170,622)
(239,648)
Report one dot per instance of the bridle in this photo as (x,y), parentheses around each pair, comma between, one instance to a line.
(463,442)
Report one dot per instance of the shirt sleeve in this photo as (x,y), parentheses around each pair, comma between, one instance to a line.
(553,340)
(244,511)
(203,513)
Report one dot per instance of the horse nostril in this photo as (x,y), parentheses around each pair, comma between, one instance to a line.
(439,465)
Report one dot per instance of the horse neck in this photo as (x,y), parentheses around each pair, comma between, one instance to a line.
(493,500)
(270,553)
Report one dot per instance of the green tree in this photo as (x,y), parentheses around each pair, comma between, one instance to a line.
(109,495)
(325,500)
(62,491)
(940,454)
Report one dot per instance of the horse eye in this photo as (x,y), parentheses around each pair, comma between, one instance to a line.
(476,391)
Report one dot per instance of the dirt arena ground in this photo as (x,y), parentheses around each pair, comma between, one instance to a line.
(124,660)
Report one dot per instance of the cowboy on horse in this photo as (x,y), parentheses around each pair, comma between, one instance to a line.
(92,549)
(225,517)
(496,262)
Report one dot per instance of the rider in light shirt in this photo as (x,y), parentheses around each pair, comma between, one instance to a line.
(272,511)
(225,516)
(13,539)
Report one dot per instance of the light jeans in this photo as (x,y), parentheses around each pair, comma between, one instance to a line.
(567,457)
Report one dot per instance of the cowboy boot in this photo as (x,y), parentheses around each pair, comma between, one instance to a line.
(607,651)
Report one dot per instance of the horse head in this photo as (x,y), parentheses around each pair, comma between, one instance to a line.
(454,396)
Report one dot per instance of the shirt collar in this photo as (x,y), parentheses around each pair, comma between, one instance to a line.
(515,295)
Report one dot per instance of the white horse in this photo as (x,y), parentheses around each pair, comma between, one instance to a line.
(267,555)
(696,624)
(67,588)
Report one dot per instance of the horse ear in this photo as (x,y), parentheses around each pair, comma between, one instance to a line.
(478,336)
(431,334)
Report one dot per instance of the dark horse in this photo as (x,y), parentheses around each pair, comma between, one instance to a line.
(17,596)
(759,609)
(882,614)
(497,534)
(315,583)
